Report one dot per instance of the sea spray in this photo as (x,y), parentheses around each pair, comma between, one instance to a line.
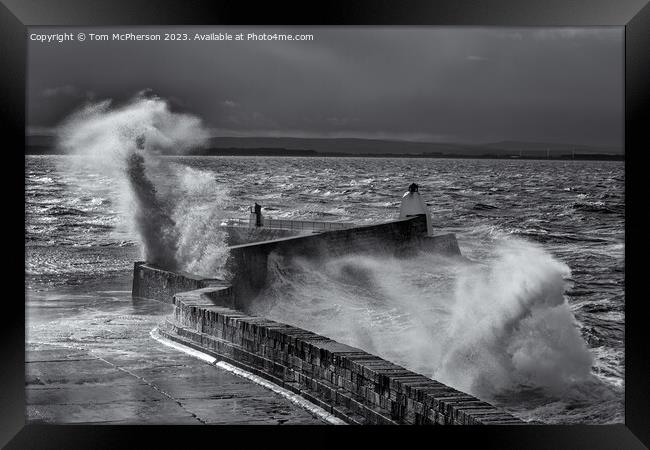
(510,326)
(201,245)
(171,208)
(500,326)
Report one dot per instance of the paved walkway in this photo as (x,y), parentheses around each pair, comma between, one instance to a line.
(90,364)
(69,386)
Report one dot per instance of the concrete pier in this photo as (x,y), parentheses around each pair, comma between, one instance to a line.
(96,363)
(72,386)
(353,385)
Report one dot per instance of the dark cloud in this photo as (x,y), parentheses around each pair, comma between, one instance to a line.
(414,83)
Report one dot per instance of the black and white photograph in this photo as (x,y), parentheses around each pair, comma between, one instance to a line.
(325,225)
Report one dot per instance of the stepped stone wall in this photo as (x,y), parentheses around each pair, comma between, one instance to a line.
(358,387)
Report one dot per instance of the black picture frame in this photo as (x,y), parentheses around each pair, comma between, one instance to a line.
(634,15)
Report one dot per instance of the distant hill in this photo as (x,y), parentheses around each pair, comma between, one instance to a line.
(516,146)
(44,144)
(384,147)
(336,145)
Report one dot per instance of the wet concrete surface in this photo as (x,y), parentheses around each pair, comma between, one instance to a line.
(90,359)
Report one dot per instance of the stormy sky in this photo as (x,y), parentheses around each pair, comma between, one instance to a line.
(432,84)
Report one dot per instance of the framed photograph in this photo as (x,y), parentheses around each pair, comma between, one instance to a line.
(354,213)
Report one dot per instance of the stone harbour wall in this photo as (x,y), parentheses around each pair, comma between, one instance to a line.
(445,244)
(357,387)
(155,283)
(243,235)
(248,263)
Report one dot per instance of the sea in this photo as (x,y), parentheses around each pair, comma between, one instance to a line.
(532,320)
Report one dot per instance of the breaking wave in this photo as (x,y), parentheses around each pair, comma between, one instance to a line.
(173,209)
(498,327)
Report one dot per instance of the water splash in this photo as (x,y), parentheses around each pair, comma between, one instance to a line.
(510,326)
(498,327)
(172,209)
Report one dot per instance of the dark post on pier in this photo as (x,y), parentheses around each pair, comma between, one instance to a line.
(258,215)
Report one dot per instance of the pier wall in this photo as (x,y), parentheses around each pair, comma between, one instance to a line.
(244,235)
(444,244)
(248,263)
(155,283)
(356,386)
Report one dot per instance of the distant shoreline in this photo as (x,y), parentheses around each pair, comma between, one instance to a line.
(557,156)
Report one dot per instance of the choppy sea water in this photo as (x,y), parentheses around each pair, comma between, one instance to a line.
(527,223)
